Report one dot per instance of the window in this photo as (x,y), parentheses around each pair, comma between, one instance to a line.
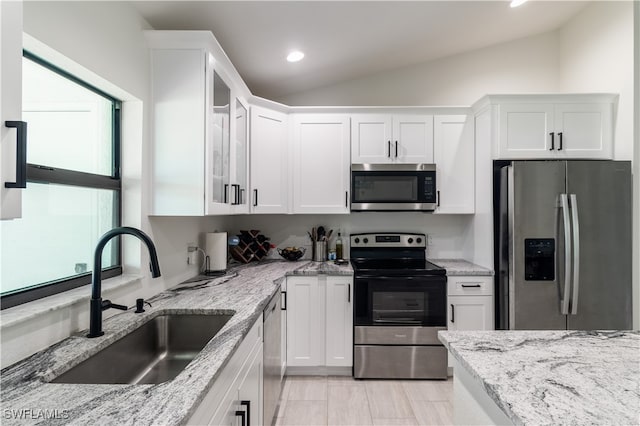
(73,193)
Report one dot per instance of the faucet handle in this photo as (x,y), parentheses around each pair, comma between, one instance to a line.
(106,304)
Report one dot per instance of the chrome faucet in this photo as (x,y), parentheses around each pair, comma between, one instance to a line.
(97,305)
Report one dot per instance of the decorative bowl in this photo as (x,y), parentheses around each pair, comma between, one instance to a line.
(292,253)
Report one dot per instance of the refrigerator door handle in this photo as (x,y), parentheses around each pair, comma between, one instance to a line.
(576,253)
(564,296)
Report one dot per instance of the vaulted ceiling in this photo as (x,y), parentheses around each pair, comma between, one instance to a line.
(344,40)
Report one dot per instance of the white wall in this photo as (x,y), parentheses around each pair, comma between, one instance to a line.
(521,66)
(596,55)
(447,231)
(103,43)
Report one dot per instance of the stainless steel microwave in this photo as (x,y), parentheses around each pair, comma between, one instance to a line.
(393,187)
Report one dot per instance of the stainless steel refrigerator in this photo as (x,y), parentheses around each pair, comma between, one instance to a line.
(563,245)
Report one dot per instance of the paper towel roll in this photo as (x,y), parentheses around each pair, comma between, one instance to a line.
(216,250)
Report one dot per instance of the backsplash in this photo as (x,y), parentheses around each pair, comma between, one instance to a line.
(447,232)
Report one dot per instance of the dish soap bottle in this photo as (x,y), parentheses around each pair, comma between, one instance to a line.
(339,246)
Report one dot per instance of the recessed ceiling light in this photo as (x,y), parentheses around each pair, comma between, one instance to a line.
(295,56)
(516,3)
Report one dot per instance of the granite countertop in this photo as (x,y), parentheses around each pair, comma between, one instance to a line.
(461,267)
(555,377)
(244,289)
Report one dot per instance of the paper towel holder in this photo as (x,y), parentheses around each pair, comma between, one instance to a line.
(208,272)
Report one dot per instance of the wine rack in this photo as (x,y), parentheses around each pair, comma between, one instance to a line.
(253,246)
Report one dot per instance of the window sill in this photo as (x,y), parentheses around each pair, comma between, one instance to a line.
(27,311)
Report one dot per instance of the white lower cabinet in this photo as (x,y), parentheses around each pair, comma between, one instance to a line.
(237,392)
(319,321)
(469,303)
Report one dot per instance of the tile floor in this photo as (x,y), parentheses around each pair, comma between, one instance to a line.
(334,400)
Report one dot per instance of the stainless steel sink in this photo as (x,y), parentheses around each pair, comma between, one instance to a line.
(153,353)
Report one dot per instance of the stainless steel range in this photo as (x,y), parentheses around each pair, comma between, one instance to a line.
(400,305)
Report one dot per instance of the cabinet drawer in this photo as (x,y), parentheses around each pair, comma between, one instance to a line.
(470,286)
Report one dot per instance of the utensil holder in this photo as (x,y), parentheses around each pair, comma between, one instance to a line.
(319,251)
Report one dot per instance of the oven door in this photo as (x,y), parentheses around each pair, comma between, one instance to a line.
(403,300)
(393,187)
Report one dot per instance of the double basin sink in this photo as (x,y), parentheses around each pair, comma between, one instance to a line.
(155,352)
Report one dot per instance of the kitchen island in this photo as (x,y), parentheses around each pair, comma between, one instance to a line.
(27,397)
(545,377)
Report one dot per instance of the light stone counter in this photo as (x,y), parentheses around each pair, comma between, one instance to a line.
(461,267)
(244,290)
(554,377)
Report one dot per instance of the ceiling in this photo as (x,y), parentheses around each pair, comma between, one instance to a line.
(345,40)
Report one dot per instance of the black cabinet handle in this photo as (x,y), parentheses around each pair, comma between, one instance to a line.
(242,416)
(396,149)
(248,405)
(226,193)
(284,305)
(560,142)
(389,149)
(552,141)
(453,314)
(236,194)
(438,198)
(255,198)
(241,195)
(348,293)
(471,285)
(21,154)
(346,199)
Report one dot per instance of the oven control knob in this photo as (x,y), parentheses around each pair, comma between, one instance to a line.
(410,240)
(419,240)
(357,240)
(366,240)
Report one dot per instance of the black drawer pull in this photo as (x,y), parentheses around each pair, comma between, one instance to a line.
(471,285)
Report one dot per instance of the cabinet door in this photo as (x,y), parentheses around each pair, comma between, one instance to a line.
(305,322)
(339,341)
(470,313)
(321,163)
(371,139)
(454,159)
(586,130)
(269,165)
(250,390)
(240,159)
(218,153)
(10,104)
(412,139)
(525,130)
(179,168)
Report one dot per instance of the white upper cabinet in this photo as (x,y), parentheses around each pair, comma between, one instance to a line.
(199,127)
(321,173)
(192,129)
(454,158)
(379,139)
(13,130)
(554,127)
(269,161)
(239,193)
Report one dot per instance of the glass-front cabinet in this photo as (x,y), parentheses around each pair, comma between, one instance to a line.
(219,154)
(240,181)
